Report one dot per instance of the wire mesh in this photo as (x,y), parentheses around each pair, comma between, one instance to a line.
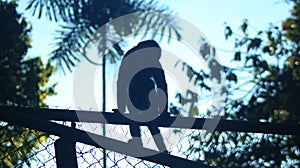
(23,147)
(42,152)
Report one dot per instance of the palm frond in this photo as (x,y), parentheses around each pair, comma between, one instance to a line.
(70,41)
(155,19)
(84,17)
(67,10)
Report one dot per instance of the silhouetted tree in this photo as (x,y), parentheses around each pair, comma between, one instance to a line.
(23,83)
(264,85)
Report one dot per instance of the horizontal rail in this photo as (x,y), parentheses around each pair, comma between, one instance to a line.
(41,124)
(171,122)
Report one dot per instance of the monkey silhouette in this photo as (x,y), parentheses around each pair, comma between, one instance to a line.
(142,88)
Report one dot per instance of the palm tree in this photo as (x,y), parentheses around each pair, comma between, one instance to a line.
(84,17)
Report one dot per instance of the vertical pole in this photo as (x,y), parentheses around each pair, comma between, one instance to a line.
(65,153)
(104,102)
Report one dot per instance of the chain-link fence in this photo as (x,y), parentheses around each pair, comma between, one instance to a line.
(24,147)
(89,156)
(41,150)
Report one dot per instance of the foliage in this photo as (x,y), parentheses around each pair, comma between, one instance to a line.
(83,18)
(264,85)
(23,82)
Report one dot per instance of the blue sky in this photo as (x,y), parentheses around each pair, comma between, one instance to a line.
(209,17)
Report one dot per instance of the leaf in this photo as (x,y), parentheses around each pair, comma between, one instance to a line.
(178,35)
(228,32)
(243,41)
(254,44)
(118,48)
(237,56)
(266,49)
(244,26)
(264,65)
(190,73)
(232,77)
(30,4)
(170,37)
(203,85)
(198,78)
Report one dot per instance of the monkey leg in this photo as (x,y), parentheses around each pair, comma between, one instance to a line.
(158,138)
(135,132)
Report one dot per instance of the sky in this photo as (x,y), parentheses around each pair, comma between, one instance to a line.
(208,16)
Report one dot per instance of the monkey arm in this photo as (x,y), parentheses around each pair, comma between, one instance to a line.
(161,83)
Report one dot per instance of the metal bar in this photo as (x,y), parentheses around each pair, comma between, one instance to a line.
(104,100)
(40,124)
(171,122)
(65,152)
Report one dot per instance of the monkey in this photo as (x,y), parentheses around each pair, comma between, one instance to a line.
(142,88)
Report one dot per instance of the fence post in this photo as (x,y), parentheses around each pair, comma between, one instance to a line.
(65,153)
